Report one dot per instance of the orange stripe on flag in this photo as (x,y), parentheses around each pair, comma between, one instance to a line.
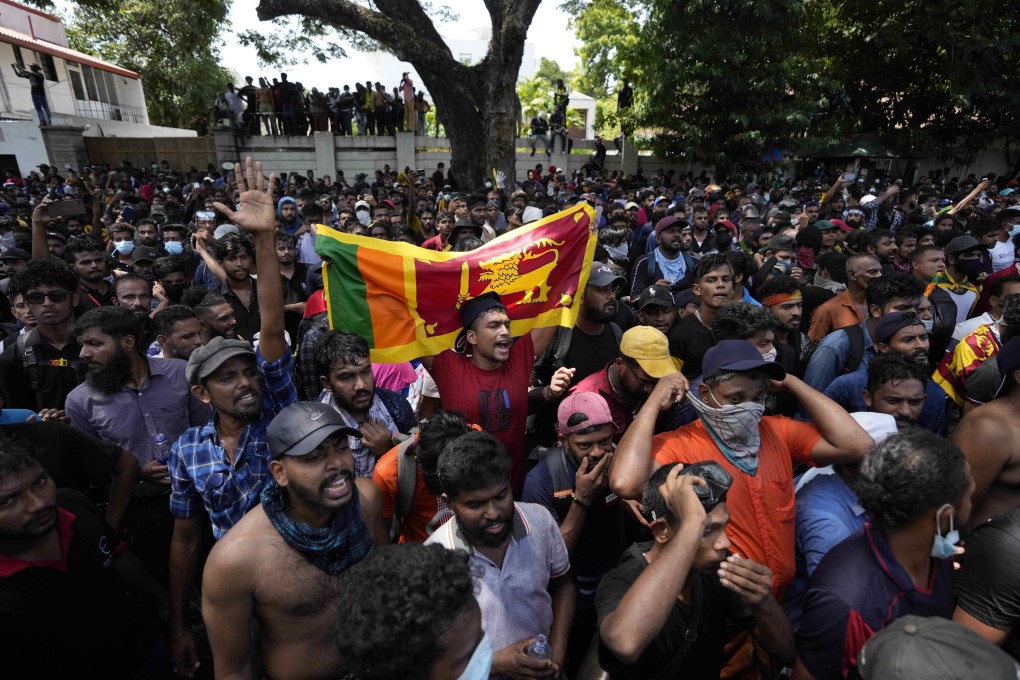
(392,323)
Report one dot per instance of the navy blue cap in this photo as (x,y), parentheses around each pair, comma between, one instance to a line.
(738,356)
(475,307)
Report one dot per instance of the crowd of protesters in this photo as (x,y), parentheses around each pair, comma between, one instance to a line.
(784,410)
(279,106)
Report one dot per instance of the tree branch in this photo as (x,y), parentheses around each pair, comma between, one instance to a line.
(401,25)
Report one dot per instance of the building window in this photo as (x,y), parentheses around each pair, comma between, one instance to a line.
(77,85)
(49,67)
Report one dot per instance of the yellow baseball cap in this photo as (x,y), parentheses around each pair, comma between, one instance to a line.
(649,347)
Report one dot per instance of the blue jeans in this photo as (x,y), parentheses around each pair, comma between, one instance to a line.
(42,109)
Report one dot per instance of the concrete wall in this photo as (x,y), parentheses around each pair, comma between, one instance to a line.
(354,155)
(24,140)
(119,128)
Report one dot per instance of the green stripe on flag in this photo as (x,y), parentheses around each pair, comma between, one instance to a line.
(348,303)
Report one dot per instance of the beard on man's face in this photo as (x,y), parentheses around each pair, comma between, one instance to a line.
(111,378)
(477,534)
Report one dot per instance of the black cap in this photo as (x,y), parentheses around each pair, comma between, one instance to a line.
(300,427)
(144,254)
(656,295)
(475,307)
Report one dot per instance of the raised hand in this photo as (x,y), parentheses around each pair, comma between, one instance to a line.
(256,212)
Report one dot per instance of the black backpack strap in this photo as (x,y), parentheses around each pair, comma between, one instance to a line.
(562,480)
(617,332)
(855,351)
(564,336)
(407,474)
(29,361)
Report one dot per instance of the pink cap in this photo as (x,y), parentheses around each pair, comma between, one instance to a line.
(590,404)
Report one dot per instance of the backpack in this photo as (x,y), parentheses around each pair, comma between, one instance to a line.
(30,365)
(407,474)
(559,472)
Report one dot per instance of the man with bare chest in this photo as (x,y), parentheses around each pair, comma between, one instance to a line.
(282,562)
(989,437)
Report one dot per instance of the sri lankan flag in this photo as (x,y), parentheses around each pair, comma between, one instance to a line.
(405,300)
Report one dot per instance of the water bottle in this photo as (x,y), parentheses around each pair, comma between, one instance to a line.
(162,453)
(539,649)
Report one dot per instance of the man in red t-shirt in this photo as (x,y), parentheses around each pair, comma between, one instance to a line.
(488,382)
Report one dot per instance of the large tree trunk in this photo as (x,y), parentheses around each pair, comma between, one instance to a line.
(476,103)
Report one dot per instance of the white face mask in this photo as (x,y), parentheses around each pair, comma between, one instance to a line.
(481,661)
(771,354)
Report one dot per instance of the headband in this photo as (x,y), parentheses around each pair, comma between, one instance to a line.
(780,298)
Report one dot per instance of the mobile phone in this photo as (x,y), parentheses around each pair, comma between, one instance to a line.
(65,208)
(849,176)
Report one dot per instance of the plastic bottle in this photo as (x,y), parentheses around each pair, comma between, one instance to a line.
(539,649)
(162,453)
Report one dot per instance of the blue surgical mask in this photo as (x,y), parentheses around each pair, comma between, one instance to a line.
(174,247)
(1015,231)
(928,324)
(944,547)
(481,661)
(124,247)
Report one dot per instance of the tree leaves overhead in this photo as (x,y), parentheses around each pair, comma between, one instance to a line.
(725,81)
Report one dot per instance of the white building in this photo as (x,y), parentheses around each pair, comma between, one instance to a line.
(82,90)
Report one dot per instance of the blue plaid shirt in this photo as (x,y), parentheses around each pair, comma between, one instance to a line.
(202,476)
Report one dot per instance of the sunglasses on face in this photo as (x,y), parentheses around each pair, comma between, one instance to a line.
(53,295)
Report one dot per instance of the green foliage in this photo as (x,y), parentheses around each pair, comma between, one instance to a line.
(724,81)
(536,95)
(610,36)
(945,75)
(173,44)
(549,71)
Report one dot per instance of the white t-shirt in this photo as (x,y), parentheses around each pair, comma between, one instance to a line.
(1002,255)
(967,327)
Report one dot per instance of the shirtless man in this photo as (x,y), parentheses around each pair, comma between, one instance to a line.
(282,562)
(990,438)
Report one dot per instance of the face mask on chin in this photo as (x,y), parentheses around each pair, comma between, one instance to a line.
(944,547)
(481,661)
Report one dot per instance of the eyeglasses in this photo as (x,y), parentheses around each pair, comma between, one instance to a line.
(53,295)
(643,382)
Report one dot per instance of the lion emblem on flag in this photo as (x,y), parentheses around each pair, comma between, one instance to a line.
(525,272)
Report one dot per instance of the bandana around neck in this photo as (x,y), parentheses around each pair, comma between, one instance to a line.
(332,549)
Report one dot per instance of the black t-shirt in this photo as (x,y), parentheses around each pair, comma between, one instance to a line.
(57,371)
(704,658)
(988,587)
(688,341)
(249,320)
(590,353)
(78,621)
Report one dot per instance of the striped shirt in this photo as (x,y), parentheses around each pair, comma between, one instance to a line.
(201,476)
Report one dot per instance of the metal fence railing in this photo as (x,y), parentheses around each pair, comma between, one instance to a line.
(104,111)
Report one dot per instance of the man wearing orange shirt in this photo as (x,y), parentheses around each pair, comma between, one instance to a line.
(758,451)
(850,307)
(426,512)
